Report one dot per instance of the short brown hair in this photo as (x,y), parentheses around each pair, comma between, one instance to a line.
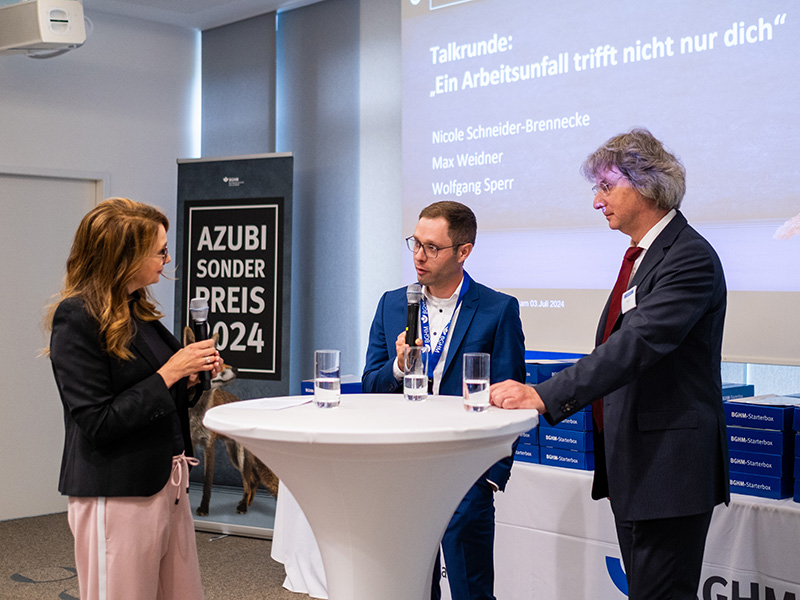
(462,226)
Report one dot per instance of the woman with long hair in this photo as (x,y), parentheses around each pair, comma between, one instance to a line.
(126,387)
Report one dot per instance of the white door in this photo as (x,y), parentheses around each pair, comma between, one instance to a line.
(38,219)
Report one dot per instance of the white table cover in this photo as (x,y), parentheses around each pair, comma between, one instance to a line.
(553,541)
(294,545)
(378,478)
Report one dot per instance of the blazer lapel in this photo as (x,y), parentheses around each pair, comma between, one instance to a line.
(601,325)
(142,349)
(469,306)
(653,256)
(167,336)
(662,243)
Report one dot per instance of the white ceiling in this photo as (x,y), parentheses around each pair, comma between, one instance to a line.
(196,14)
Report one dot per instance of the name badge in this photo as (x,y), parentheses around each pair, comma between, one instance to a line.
(629,300)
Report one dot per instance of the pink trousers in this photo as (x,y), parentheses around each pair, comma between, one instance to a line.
(134,548)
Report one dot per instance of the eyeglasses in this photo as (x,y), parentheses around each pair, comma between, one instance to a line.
(163,254)
(605,187)
(430,250)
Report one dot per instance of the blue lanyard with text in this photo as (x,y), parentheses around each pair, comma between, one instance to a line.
(436,353)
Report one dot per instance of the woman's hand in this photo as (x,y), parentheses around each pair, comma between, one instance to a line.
(189,361)
(194,378)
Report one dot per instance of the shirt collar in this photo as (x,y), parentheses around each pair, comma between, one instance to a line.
(443,301)
(649,237)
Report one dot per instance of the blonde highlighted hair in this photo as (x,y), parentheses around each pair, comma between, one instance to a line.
(111,244)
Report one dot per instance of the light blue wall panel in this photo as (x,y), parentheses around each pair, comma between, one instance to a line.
(317,116)
(238,65)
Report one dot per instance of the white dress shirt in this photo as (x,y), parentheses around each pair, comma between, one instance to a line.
(649,237)
(441,311)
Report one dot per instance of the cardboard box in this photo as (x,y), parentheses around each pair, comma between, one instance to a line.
(531,438)
(768,465)
(546,355)
(539,370)
(570,459)
(540,365)
(796,420)
(766,441)
(732,391)
(580,441)
(761,412)
(526,453)
(580,421)
(351,384)
(757,485)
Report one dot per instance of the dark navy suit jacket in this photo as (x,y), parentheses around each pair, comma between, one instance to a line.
(659,377)
(117,413)
(487,322)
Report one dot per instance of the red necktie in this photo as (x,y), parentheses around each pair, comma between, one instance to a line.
(614,308)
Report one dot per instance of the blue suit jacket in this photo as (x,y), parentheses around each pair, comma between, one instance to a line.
(659,377)
(487,322)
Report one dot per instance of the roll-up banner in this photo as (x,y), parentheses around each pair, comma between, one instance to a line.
(234,250)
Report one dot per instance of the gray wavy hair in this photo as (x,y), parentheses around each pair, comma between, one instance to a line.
(650,168)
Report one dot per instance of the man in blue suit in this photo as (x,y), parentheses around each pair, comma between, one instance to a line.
(458,315)
(661,446)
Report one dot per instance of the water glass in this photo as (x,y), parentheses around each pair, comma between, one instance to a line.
(415,374)
(476,381)
(327,378)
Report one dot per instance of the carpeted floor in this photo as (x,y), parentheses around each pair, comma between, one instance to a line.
(36,563)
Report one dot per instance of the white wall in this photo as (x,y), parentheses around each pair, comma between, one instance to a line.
(119,105)
(119,109)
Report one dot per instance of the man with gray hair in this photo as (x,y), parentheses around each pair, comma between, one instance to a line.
(660,441)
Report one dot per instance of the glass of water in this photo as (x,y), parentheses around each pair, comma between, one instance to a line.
(476,381)
(327,378)
(415,374)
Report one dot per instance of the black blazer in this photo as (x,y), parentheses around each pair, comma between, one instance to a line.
(117,414)
(659,377)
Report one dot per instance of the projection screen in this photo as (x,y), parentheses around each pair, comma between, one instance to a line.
(504,99)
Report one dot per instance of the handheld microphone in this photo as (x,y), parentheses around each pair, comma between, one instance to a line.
(414,296)
(198,309)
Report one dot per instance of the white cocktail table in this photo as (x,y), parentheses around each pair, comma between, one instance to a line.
(378,478)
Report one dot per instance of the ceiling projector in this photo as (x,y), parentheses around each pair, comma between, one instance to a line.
(36,25)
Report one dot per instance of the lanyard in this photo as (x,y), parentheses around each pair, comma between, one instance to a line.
(436,353)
